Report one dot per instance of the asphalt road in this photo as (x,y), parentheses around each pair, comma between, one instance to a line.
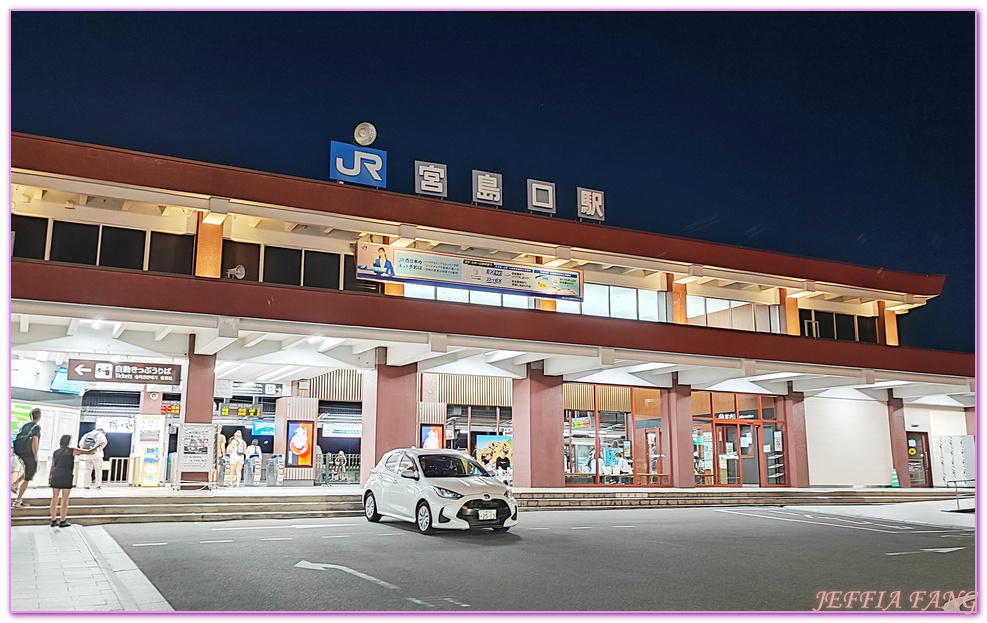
(683,559)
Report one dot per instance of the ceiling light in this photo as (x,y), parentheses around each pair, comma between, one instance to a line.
(798,295)
(314,339)
(229,371)
(277,373)
(97,323)
(214,218)
(644,367)
(774,376)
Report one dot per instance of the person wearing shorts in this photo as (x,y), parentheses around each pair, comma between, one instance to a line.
(29,457)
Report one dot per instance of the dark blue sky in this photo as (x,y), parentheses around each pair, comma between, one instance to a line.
(841,135)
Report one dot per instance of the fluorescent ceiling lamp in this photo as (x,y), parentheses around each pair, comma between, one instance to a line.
(97,323)
(774,376)
(224,365)
(330,342)
(214,218)
(230,371)
(900,307)
(644,367)
(282,371)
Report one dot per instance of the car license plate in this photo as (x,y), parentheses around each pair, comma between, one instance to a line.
(488,513)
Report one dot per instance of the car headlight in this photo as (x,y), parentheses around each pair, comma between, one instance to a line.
(509,494)
(445,493)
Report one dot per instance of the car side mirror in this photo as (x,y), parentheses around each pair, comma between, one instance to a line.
(410,473)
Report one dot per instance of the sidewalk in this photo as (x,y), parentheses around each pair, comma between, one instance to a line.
(76,569)
(933,513)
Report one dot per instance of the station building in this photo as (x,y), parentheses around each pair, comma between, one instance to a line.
(670,362)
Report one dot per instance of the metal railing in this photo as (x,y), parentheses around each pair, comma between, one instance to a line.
(327,472)
(956,489)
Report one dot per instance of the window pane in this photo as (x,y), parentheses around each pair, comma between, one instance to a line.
(351,283)
(416,291)
(826,324)
(867,328)
(122,248)
(775,312)
(567,307)
(171,253)
(518,302)
(623,303)
(767,409)
(845,329)
(742,315)
(596,301)
(452,294)
(283,265)
(321,270)
(74,242)
(762,318)
(30,236)
(243,254)
(647,305)
(695,310)
(806,325)
(717,313)
(484,298)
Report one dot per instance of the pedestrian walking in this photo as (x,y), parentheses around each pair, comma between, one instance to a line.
(94,461)
(26,449)
(60,478)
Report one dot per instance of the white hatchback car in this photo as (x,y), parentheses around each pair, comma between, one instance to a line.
(437,489)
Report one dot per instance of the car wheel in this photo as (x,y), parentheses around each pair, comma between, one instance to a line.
(370,508)
(423,518)
(502,529)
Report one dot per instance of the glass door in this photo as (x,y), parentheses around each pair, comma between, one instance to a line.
(727,454)
(918,460)
(749,465)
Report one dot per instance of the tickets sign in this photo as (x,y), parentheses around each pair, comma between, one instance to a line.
(402,265)
(129,372)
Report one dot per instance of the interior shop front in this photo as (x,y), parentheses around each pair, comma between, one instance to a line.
(738,440)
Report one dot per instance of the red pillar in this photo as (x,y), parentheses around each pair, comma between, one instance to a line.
(390,413)
(899,440)
(797,454)
(198,398)
(677,411)
(537,415)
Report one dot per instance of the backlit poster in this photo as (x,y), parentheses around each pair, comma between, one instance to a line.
(490,447)
(431,436)
(301,438)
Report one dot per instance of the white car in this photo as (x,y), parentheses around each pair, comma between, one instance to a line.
(437,489)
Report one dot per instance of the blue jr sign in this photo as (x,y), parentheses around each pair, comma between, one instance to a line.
(360,165)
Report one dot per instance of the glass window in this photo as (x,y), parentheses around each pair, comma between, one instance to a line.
(867,329)
(283,265)
(807,325)
(171,253)
(747,408)
(826,323)
(702,451)
(30,236)
(695,310)
(392,461)
(454,295)
(244,254)
(762,318)
(717,313)
(623,303)
(742,315)
(321,270)
(845,327)
(405,462)
(567,307)
(122,248)
(74,242)
(518,302)
(596,300)
(418,291)
(774,458)
(647,305)
(484,298)
(767,408)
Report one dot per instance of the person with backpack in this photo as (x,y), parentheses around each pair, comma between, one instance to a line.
(60,478)
(93,461)
(26,449)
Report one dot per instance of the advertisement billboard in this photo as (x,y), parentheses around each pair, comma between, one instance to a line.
(301,438)
(431,436)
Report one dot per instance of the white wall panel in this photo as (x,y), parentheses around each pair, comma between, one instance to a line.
(848,442)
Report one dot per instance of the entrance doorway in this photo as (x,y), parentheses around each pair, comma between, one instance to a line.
(919,471)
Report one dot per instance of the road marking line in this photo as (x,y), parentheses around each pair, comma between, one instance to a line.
(388,534)
(324,525)
(528,528)
(298,527)
(420,602)
(818,523)
(304,564)
(218,541)
(581,528)
(146,544)
(625,526)
(279,538)
(453,601)
(336,536)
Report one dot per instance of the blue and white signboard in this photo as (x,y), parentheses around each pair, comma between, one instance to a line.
(360,165)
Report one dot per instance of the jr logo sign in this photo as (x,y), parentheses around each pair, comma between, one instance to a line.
(361,165)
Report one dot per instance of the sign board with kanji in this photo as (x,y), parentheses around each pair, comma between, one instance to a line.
(124,372)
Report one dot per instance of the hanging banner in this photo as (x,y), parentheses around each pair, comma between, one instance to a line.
(381,262)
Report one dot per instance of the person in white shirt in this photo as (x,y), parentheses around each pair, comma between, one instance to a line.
(94,462)
(236,450)
(254,455)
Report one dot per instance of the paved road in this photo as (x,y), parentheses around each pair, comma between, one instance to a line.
(739,559)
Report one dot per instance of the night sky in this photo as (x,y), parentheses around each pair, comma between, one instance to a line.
(847,136)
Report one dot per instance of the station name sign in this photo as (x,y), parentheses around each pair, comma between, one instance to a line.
(404,265)
(129,372)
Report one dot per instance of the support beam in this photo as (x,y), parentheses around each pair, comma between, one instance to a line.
(899,441)
(73,327)
(118,329)
(677,411)
(253,340)
(537,406)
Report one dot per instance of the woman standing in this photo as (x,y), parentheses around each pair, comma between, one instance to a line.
(236,450)
(60,478)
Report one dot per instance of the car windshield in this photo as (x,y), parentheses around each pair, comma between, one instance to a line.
(450,466)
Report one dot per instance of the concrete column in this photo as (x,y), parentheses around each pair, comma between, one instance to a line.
(390,412)
(796,450)
(537,417)
(677,411)
(208,249)
(887,327)
(971,421)
(198,397)
(679,293)
(899,440)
